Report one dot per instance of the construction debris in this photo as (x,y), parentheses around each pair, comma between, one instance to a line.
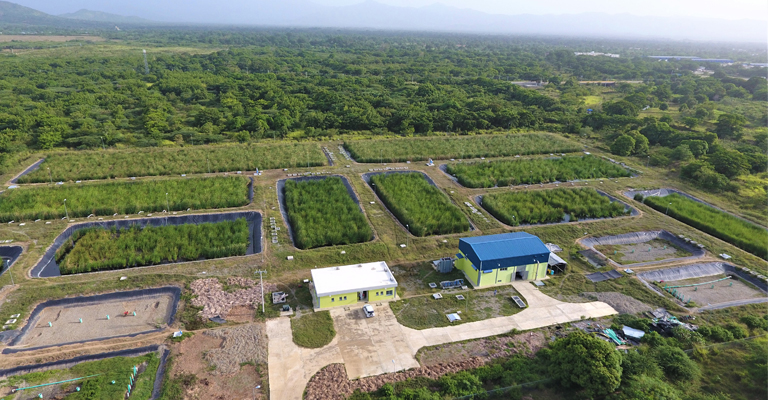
(217,303)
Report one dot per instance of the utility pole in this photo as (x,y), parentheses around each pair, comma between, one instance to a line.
(146,67)
(65,210)
(8,270)
(262,286)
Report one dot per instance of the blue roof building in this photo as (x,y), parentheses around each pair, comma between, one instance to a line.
(504,258)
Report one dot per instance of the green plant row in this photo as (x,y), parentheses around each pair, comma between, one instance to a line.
(84,165)
(124,197)
(548,206)
(96,249)
(731,229)
(321,213)
(418,204)
(518,172)
(116,369)
(413,149)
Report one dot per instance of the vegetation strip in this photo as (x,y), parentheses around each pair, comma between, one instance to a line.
(96,249)
(87,165)
(128,197)
(321,212)
(549,206)
(313,330)
(401,150)
(729,228)
(420,206)
(532,171)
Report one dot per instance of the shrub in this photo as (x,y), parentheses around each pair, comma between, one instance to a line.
(639,197)
(29,203)
(518,172)
(321,213)
(413,149)
(547,206)
(675,363)
(313,330)
(581,360)
(653,339)
(95,249)
(716,333)
(729,228)
(418,204)
(87,165)
(754,322)
(738,331)
(623,145)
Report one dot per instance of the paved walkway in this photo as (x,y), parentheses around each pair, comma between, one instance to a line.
(734,303)
(381,345)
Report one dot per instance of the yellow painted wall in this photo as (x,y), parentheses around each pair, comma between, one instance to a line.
(498,276)
(488,278)
(471,275)
(504,276)
(382,294)
(339,300)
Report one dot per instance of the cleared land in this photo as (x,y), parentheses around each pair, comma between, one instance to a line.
(723,291)
(84,165)
(520,172)
(95,249)
(418,204)
(41,202)
(731,229)
(654,250)
(97,387)
(549,206)
(423,312)
(413,149)
(322,213)
(151,312)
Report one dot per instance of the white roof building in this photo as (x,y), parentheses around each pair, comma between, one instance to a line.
(352,278)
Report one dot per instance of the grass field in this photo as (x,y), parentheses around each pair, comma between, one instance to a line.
(519,172)
(729,228)
(548,206)
(84,165)
(423,312)
(124,197)
(313,330)
(98,387)
(95,249)
(321,213)
(413,149)
(420,206)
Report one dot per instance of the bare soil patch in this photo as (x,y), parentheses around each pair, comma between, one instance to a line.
(723,291)
(487,348)
(227,362)
(621,302)
(48,38)
(653,250)
(217,300)
(151,312)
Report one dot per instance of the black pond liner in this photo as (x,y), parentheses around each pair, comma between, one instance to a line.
(367,178)
(641,237)
(633,211)
(663,192)
(68,363)
(279,188)
(699,270)
(9,252)
(173,291)
(29,169)
(47,266)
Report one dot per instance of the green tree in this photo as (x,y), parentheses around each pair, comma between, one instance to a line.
(690,122)
(663,106)
(698,148)
(621,107)
(675,363)
(48,137)
(730,126)
(623,145)
(641,143)
(729,163)
(581,360)
(682,153)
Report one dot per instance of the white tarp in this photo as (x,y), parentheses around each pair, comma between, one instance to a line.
(632,333)
(453,317)
(553,259)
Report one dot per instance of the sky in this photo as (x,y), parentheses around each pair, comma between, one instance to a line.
(723,9)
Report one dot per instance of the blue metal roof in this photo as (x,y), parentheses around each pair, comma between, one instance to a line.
(504,250)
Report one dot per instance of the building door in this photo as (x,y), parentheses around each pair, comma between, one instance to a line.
(363,296)
(521,274)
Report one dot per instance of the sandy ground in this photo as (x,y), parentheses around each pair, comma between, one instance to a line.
(721,293)
(619,301)
(47,38)
(217,381)
(642,252)
(151,312)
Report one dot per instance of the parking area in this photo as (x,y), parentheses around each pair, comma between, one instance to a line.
(371,346)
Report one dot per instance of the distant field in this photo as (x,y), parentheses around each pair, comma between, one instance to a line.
(717,223)
(48,38)
(415,149)
(125,197)
(544,170)
(84,165)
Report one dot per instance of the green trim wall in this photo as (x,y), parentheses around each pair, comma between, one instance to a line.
(382,294)
(499,276)
(347,299)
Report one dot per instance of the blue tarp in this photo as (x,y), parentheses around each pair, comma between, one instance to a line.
(504,250)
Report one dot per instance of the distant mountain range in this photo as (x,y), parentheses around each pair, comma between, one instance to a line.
(373,15)
(99,16)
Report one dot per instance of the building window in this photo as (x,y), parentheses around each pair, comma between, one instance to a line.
(504,269)
(390,292)
(332,299)
(346,297)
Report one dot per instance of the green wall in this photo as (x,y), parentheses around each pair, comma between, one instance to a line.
(345,299)
(498,276)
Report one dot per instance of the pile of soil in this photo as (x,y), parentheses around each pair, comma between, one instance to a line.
(216,302)
(242,344)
